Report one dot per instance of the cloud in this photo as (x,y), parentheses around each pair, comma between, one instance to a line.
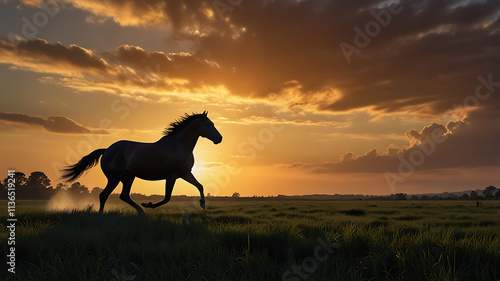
(181,70)
(158,77)
(210,165)
(126,68)
(427,133)
(371,162)
(41,56)
(289,119)
(426,59)
(55,124)
(136,13)
(471,143)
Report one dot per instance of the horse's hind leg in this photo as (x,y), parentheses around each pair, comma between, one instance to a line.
(169,186)
(112,183)
(125,195)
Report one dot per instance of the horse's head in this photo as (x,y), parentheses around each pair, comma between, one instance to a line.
(208,130)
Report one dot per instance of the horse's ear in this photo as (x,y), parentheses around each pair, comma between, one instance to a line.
(205,113)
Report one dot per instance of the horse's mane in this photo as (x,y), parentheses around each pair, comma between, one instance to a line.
(181,123)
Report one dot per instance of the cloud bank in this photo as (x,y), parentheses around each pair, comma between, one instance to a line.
(54,124)
(423,61)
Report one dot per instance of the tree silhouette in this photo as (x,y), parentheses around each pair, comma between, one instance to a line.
(236,194)
(400,196)
(491,188)
(61,186)
(497,195)
(473,195)
(38,181)
(489,191)
(436,197)
(20,180)
(96,190)
(78,188)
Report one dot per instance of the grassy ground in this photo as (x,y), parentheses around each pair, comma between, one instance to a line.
(280,240)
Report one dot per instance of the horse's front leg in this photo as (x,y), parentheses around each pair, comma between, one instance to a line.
(169,186)
(192,180)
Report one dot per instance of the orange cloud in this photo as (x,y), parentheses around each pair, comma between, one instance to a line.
(41,56)
(190,17)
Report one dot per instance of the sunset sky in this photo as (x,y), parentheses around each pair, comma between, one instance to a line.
(311,96)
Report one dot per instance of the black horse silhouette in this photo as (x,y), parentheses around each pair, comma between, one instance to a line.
(168,159)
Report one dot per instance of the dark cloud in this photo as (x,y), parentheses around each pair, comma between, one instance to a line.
(126,67)
(39,51)
(55,124)
(425,60)
(194,71)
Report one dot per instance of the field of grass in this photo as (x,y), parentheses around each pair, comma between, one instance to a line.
(262,240)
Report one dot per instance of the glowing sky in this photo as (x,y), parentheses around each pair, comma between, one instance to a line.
(311,96)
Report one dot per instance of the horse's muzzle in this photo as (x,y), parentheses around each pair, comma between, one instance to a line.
(218,141)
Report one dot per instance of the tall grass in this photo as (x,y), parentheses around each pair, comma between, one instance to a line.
(261,241)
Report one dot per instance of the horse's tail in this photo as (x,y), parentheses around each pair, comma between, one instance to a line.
(72,172)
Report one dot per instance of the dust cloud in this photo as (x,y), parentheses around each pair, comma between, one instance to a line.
(66,201)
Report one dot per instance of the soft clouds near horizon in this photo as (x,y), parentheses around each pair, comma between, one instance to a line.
(464,144)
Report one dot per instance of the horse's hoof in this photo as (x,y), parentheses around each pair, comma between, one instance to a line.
(148,205)
(202,205)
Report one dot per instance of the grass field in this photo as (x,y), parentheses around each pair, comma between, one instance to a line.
(263,240)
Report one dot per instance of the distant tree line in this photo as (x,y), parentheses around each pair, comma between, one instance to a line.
(39,186)
(488,193)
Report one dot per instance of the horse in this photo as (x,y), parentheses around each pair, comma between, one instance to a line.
(168,159)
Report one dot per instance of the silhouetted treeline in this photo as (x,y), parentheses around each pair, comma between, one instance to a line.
(37,186)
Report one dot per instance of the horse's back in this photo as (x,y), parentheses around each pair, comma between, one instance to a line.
(114,158)
(144,160)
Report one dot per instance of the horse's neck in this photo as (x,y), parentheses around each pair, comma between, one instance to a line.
(188,137)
